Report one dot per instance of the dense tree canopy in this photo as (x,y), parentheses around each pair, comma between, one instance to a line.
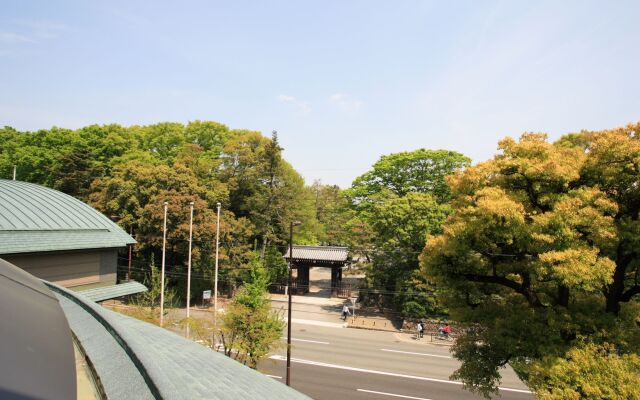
(541,256)
(415,171)
(401,200)
(129,172)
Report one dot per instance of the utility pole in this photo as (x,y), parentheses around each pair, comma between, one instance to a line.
(189,265)
(130,253)
(215,284)
(164,247)
(293,223)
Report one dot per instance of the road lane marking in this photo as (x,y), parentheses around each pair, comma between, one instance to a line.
(318,323)
(305,340)
(392,394)
(417,354)
(273,376)
(372,371)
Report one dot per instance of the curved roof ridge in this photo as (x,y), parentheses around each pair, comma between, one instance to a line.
(305,246)
(174,367)
(36,218)
(32,198)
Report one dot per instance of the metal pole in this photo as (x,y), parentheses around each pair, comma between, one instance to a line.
(189,265)
(215,284)
(289,310)
(289,333)
(293,223)
(164,246)
(353,300)
(130,254)
(14,172)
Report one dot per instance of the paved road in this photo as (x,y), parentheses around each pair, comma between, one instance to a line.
(336,363)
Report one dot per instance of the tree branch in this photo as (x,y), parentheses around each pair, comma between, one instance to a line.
(500,280)
(523,288)
(626,296)
(469,303)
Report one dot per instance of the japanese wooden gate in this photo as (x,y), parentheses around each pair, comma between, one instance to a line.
(305,257)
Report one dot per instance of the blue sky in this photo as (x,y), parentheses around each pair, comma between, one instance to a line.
(343,82)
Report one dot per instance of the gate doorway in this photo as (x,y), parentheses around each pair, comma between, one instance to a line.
(332,259)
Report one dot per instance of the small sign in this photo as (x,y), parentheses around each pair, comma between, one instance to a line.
(206,295)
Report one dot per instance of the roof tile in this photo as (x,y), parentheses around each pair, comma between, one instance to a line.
(34,218)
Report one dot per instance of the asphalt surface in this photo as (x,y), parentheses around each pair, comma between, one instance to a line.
(335,363)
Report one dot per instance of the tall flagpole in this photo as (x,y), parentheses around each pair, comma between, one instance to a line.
(164,246)
(189,265)
(215,284)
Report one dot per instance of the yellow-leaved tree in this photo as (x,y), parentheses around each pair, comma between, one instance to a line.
(541,259)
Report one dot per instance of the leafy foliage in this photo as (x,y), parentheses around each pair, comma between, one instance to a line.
(151,298)
(402,173)
(250,329)
(588,372)
(540,255)
(129,172)
(397,204)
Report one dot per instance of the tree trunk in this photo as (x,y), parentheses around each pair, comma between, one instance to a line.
(616,288)
(563,296)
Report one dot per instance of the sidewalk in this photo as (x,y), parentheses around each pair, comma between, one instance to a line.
(378,323)
(331,308)
(316,301)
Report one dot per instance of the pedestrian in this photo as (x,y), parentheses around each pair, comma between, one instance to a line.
(420,329)
(446,330)
(345,312)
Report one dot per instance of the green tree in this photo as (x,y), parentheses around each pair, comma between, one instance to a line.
(151,298)
(414,171)
(250,329)
(396,204)
(590,372)
(401,226)
(63,159)
(540,255)
(136,191)
(333,214)
(265,189)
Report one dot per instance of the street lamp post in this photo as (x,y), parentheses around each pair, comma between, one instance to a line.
(189,265)
(293,223)
(164,247)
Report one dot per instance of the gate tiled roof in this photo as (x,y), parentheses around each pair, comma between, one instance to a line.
(319,253)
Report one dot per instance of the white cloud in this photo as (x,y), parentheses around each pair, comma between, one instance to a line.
(31,31)
(345,102)
(302,106)
(11,37)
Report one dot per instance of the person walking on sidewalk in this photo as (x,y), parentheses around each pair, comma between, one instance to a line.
(345,312)
(420,329)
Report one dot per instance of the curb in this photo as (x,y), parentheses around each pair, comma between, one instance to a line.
(421,342)
(368,328)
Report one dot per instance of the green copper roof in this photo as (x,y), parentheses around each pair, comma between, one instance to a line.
(34,218)
(114,291)
(137,360)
